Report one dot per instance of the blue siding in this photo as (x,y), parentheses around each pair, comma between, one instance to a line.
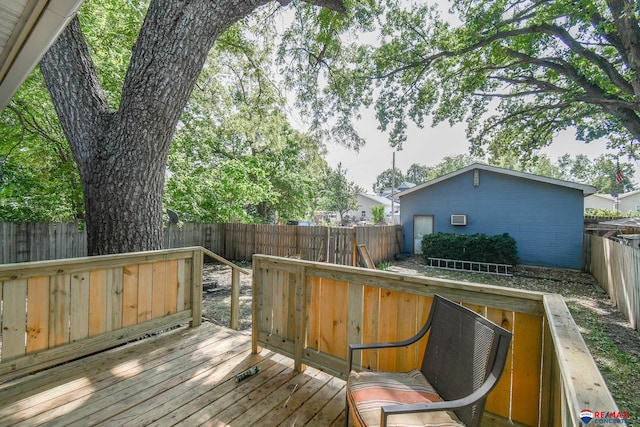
(546,220)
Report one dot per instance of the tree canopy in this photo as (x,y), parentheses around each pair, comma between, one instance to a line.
(517,72)
(388,179)
(38,177)
(235,156)
(599,172)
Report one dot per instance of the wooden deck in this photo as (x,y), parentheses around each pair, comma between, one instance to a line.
(183,377)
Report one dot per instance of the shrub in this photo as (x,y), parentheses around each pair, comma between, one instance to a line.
(382,265)
(377,214)
(500,249)
(609,213)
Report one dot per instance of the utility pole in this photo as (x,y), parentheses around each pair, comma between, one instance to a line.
(393,188)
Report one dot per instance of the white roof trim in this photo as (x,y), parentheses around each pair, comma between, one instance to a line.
(604,196)
(378,199)
(630,193)
(38,25)
(586,189)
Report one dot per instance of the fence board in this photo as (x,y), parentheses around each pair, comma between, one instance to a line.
(37,313)
(499,400)
(313,300)
(14,318)
(114,289)
(172,289)
(145,280)
(60,289)
(79,325)
(97,302)
(616,268)
(527,353)
(130,295)
(388,330)
(370,325)
(407,357)
(159,286)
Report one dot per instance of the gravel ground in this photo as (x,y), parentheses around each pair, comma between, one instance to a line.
(613,343)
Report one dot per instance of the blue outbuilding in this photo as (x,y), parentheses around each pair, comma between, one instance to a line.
(544,215)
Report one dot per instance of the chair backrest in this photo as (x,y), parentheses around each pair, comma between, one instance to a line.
(462,350)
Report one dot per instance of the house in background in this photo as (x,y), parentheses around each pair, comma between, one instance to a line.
(544,215)
(366,202)
(629,202)
(625,203)
(599,201)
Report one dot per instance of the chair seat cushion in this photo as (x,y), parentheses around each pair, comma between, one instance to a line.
(369,391)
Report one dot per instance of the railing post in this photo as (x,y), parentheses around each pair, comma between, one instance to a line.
(256,295)
(235,299)
(300,307)
(196,288)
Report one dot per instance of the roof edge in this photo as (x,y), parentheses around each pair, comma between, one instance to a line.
(586,189)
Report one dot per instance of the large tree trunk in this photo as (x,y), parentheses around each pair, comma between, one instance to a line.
(122,155)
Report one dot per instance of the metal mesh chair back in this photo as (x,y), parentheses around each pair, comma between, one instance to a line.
(460,353)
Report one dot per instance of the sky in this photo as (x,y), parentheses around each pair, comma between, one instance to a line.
(429,146)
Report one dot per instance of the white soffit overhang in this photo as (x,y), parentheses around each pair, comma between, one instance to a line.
(27,29)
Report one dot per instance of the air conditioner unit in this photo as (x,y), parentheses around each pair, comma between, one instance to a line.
(458,220)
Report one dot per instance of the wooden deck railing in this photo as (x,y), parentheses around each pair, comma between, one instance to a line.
(235,286)
(310,311)
(54,311)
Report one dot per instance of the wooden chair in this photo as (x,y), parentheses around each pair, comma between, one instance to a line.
(463,360)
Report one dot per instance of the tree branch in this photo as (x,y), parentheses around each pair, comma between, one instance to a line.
(629,32)
(611,72)
(70,76)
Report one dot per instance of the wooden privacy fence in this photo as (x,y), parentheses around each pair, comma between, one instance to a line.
(616,267)
(335,245)
(23,242)
(54,311)
(40,241)
(310,311)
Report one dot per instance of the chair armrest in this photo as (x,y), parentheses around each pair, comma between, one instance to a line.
(358,347)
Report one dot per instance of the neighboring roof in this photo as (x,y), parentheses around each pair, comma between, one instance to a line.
(27,29)
(405,185)
(630,193)
(586,189)
(620,196)
(604,196)
(378,199)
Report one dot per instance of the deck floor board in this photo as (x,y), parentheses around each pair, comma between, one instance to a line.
(183,377)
